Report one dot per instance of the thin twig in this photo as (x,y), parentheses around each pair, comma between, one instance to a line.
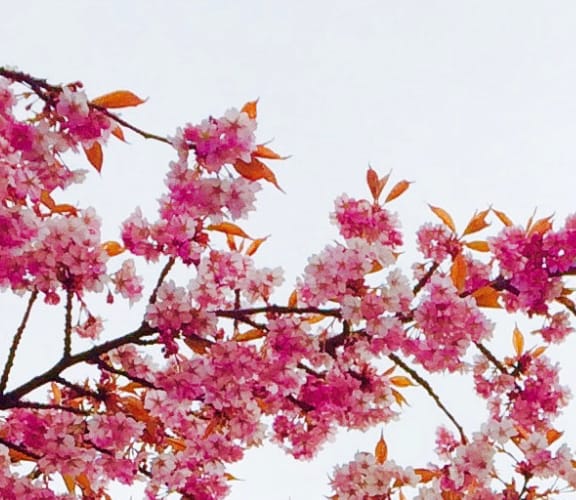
(20,449)
(68,324)
(161,278)
(425,278)
(428,388)
(484,350)
(109,368)
(45,406)
(16,342)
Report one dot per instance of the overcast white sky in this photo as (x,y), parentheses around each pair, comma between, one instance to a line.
(472,100)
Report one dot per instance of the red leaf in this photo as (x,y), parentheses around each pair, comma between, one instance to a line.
(373,183)
(117,99)
(256,170)
(95,155)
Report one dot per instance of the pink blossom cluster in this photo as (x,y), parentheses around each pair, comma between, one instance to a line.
(437,242)
(449,324)
(220,141)
(369,221)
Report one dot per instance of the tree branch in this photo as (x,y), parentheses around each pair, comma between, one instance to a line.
(16,342)
(428,388)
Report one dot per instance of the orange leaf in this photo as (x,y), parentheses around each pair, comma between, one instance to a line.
(503,218)
(293,299)
(250,108)
(56,393)
(541,226)
(374,183)
(458,272)
(479,246)
(176,443)
(518,341)
(198,344)
(397,190)
(444,217)
(95,155)
(255,245)
(477,223)
(47,200)
(118,133)
(315,318)
(264,152)
(400,400)
(256,170)
(231,242)
(64,208)
(400,381)
(381,451)
(425,474)
(553,435)
(389,371)
(112,248)
(487,297)
(538,351)
(252,334)
(69,482)
(229,229)
(117,99)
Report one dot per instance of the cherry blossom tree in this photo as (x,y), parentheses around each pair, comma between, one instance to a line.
(217,366)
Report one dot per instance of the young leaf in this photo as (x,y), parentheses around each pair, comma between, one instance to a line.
(118,133)
(265,152)
(64,208)
(541,226)
(553,435)
(112,248)
(117,99)
(518,341)
(373,183)
(256,170)
(400,400)
(479,246)
(250,108)
(231,243)
(426,474)
(47,200)
(229,229)
(397,190)
(477,223)
(458,272)
(293,299)
(444,217)
(255,245)
(381,450)
(95,155)
(487,297)
(252,334)
(69,482)
(503,218)
(401,381)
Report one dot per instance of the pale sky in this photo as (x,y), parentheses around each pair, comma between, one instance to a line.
(472,100)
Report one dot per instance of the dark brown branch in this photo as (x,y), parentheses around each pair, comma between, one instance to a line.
(109,368)
(7,400)
(425,278)
(274,309)
(161,278)
(16,342)
(20,449)
(68,324)
(428,388)
(484,350)
(45,406)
